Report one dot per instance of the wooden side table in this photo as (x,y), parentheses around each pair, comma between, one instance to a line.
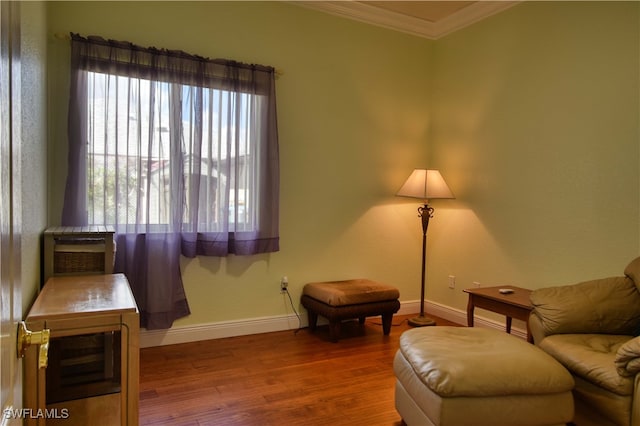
(513,305)
(80,305)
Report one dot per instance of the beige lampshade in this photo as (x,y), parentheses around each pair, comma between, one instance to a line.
(426,185)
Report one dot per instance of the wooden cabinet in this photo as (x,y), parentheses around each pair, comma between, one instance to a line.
(87,365)
(86,305)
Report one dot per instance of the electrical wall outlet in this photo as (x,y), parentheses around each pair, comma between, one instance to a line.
(452,281)
(476,284)
(284,284)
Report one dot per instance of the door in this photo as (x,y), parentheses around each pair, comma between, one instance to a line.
(10,214)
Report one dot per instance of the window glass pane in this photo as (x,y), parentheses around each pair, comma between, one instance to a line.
(148,139)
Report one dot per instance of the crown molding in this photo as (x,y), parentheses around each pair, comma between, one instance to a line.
(470,15)
(373,15)
(408,24)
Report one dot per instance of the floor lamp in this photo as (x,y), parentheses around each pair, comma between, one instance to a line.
(426,185)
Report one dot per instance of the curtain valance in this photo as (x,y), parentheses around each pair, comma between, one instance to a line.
(172,66)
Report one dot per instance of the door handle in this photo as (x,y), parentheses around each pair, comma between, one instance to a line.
(27,338)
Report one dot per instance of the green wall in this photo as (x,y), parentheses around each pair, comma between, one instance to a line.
(531,115)
(536,124)
(353,120)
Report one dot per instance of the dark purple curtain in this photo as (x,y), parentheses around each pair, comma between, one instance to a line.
(179,153)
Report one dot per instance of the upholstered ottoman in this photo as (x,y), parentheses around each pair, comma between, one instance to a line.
(461,376)
(340,300)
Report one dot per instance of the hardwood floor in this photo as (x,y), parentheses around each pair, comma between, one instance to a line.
(282,378)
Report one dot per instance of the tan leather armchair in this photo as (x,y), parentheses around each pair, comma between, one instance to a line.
(591,328)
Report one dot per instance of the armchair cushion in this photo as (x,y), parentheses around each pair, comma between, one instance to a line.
(607,305)
(591,356)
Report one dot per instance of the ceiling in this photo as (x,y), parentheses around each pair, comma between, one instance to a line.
(428,19)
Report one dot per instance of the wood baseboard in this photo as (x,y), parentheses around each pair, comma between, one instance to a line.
(242,327)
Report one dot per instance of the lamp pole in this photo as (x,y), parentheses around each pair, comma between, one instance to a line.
(425,212)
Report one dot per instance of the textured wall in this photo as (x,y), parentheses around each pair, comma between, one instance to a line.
(34,144)
(353,118)
(531,115)
(537,124)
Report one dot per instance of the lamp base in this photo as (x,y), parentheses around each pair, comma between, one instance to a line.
(421,321)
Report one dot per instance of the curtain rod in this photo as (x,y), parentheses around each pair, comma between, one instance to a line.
(67,37)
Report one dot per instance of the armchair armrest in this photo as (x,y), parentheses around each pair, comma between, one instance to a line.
(536,329)
(628,365)
(628,358)
(607,305)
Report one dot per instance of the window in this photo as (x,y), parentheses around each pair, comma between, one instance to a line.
(179,153)
(174,143)
(130,154)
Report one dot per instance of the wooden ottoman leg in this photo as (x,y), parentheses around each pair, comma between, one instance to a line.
(386,323)
(334,330)
(361,320)
(313,320)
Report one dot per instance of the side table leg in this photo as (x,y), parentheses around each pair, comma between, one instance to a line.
(509,325)
(470,309)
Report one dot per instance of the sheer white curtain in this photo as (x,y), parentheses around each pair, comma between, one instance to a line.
(179,153)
